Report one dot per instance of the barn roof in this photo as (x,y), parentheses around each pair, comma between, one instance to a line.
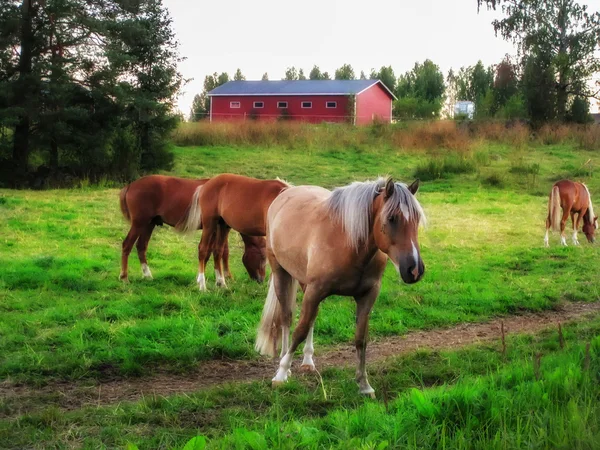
(297,87)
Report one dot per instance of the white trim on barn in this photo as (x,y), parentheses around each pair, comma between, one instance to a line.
(210,113)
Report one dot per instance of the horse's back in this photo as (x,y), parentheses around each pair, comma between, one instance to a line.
(161,196)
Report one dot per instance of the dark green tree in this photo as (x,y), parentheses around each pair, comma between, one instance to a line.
(561,32)
(265,77)
(346,72)
(291,74)
(420,92)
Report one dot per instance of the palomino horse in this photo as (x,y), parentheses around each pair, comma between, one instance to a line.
(335,243)
(158,199)
(229,201)
(573,198)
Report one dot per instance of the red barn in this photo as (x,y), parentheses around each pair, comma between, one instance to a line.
(360,101)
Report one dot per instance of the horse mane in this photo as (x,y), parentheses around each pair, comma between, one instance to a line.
(352,205)
(590,210)
(287,183)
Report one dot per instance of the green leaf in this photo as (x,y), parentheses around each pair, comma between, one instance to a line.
(196,443)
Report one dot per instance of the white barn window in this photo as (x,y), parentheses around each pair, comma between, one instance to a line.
(234,105)
(331,105)
(259,104)
(306,105)
(282,105)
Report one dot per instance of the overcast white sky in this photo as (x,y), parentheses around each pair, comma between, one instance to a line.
(261,36)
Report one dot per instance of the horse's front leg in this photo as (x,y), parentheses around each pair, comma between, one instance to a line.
(575,227)
(364,304)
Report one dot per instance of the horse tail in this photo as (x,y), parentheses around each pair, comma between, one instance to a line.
(554,209)
(269,330)
(192,219)
(123,203)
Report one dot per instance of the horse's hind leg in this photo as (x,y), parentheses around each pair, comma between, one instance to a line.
(363,309)
(142,247)
(218,253)
(546,237)
(225,257)
(310,307)
(132,236)
(205,248)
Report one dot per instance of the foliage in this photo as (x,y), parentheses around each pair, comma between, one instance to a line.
(420,92)
(291,74)
(265,77)
(85,73)
(580,111)
(346,72)
(239,76)
(562,33)
(387,77)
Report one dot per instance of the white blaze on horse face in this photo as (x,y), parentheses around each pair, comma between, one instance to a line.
(201,280)
(146,271)
(415,271)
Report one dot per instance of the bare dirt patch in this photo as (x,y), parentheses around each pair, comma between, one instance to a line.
(22,399)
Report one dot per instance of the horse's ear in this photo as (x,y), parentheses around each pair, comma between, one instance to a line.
(414,187)
(390,187)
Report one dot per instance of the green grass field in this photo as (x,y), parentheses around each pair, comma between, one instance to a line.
(65,317)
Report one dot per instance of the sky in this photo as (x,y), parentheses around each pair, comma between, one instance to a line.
(261,36)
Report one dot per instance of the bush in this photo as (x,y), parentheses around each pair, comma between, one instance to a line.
(444,167)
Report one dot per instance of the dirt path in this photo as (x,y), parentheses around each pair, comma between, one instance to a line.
(68,396)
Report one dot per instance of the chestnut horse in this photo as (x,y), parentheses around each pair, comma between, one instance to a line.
(158,199)
(335,243)
(573,198)
(229,201)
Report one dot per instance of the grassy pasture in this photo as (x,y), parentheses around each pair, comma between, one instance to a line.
(65,316)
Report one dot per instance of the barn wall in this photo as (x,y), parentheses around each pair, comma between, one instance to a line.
(372,103)
(318,113)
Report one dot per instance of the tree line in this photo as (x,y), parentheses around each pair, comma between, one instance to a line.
(548,79)
(87,89)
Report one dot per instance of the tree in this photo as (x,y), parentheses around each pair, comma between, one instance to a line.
(505,83)
(559,31)
(239,76)
(265,77)
(387,77)
(198,109)
(346,72)
(362,75)
(325,76)
(301,75)
(315,73)
(92,84)
(291,74)
(420,92)
(201,109)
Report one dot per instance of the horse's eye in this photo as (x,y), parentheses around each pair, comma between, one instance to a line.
(392,219)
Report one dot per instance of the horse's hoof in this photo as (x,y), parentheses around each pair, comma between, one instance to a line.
(221,284)
(124,279)
(307,368)
(372,395)
(276,383)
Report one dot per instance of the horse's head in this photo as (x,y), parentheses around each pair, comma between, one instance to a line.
(396,228)
(255,259)
(589,229)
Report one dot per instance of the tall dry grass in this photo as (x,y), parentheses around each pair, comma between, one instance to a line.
(434,135)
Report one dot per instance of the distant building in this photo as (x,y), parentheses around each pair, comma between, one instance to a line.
(464,108)
(360,101)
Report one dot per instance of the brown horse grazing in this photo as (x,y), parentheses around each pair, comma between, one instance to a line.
(573,198)
(229,201)
(335,243)
(157,199)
